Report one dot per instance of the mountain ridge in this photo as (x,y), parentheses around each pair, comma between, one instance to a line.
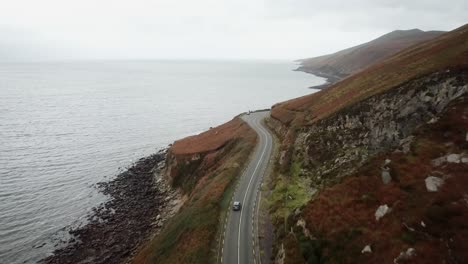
(337,66)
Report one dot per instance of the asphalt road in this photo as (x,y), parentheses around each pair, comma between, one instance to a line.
(239,246)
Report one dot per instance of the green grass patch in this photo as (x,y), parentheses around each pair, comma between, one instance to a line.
(289,194)
(295,169)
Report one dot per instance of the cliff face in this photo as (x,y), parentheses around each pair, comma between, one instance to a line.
(405,204)
(191,158)
(341,64)
(373,169)
(343,142)
(203,167)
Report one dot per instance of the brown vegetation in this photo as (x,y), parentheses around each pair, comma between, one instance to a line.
(341,218)
(327,147)
(210,140)
(352,60)
(205,168)
(447,51)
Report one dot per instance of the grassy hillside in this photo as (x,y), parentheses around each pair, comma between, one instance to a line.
(352,60)
(341,219)
(204,167)
(373,141)
(446,51)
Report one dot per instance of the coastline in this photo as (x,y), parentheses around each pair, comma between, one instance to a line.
(331,77)
(141,202)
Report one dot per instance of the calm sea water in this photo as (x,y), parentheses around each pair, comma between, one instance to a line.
(66,126)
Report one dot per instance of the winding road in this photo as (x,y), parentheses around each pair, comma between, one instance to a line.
(240,240)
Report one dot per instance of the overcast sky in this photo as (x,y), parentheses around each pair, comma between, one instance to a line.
(209,29)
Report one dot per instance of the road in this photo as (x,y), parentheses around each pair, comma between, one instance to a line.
(239,246)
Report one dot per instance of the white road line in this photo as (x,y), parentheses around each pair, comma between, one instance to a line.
(228,213)
(257,202)
(245,196)
(256,229)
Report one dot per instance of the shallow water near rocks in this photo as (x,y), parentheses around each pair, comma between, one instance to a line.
(66,126)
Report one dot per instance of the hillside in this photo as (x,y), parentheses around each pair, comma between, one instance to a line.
(343,63)
(373,168)
(446,51)
(390,141)
(204,167)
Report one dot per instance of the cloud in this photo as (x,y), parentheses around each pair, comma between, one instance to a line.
(215,29)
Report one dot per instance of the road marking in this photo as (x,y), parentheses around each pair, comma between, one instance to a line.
(228,214)
(257,202)
(256,229)
(245,195)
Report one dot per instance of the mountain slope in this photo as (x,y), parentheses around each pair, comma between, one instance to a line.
(346,62)
(374,168)
(443,52)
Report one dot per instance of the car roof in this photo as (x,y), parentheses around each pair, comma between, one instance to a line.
(236,202)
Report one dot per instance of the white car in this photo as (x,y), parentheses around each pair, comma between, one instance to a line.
(236,206)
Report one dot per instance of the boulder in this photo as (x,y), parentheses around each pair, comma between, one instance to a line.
(433,183)
(366,249)
(437,162)
(453,158)
(386,177)
(405,255)
(381,211)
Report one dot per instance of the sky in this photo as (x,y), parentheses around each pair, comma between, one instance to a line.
(209,29)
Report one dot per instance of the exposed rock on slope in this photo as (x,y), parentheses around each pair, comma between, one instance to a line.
(342,142)
(366,145)
(341,218)
(346,62)
(352,142)
(204,167)
(192,157)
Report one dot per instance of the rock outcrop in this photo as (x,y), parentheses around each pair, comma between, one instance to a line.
(368,144)
(192,157)
(204,167)
(382,211)
(345,141)
(433,183)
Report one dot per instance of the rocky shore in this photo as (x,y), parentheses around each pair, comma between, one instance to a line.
(140,203)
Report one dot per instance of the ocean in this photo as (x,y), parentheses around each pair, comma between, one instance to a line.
(65,126)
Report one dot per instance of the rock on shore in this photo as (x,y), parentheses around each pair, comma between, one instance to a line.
(139,204)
